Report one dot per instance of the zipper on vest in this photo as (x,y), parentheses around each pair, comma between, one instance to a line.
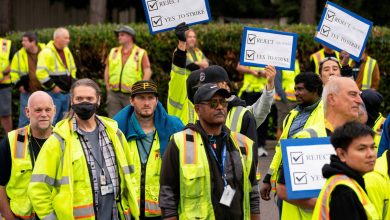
(120,78)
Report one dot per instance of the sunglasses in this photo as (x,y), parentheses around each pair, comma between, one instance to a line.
(214,103)
(329,58)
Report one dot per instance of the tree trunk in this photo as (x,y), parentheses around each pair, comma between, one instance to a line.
(5,16)
(308,11)
(97,11)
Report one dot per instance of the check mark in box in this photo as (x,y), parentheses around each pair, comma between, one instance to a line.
(325,30)
(152,5)
(156,21)
(330,16)
(300,178)
(250,55)
(296,157)
(251,39)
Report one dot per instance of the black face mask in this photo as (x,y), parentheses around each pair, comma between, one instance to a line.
(85,110)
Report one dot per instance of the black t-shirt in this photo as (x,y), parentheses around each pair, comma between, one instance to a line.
(5,156)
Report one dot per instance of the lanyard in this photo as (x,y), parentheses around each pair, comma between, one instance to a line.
(221,165)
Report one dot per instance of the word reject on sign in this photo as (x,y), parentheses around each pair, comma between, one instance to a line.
(303,160)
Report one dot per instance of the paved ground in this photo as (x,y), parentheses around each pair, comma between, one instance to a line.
(268,208)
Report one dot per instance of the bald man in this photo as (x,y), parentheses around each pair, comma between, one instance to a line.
(56,70)
(18,152)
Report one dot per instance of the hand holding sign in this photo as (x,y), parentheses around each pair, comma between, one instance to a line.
(180,31)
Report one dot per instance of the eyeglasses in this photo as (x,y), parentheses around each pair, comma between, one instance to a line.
(329,58)
(214,103)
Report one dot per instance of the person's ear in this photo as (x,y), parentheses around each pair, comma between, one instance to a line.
(196,106)
(27,112)
(342,154)
(131,101)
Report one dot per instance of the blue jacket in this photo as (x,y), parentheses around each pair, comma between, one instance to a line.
(165,124)
(384,144)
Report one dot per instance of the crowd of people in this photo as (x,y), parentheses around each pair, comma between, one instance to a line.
(197,159)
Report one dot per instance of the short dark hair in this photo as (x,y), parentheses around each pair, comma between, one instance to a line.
(343,136)
(311,81)
(31,36)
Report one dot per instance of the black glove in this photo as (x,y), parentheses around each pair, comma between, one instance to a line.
(180,31)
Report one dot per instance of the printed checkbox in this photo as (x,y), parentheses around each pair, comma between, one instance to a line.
(325,30)
(250,55)
(156,21)
(300,178)
(296,157)
(152,5)
(330,16)
(251,39)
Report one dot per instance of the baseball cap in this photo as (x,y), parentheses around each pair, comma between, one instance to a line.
(207,91)
(144,86)
(211,74)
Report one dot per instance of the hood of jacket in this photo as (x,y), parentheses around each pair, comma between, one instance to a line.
(165,124)
(336,166)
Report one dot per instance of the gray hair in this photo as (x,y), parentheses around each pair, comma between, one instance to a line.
(59,31)
(332,87)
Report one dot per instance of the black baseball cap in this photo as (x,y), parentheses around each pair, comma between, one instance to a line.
(211,74)
(144,86)
(207,91)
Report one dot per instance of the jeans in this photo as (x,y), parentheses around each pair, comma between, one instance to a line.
(61,101)
(23,120)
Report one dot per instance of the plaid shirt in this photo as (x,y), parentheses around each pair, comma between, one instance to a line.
(109,159)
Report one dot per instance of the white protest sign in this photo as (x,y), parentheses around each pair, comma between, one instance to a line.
(341,29)
(303,160)
(262,47)
(163,15)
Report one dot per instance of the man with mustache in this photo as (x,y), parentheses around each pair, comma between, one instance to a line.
(18,153)
(344,193)
(308,90)
(208,171)
(147,128)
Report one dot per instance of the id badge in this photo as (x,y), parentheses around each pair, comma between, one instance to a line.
(106,189)
(103,179)
(227,196)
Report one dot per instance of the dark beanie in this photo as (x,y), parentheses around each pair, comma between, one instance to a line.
(211,74)
(372,100)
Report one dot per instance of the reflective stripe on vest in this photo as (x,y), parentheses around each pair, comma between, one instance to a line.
(189,147)
(51,216)
(83,211)
(321,210)
(234,118)
(378,128)
(21,169)
(367,73)
(198,55)
(152,207)
(21,147)
(175,104)
(312,132)
(288,83)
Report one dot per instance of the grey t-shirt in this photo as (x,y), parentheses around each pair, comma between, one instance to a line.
(144,145)
(105,202)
